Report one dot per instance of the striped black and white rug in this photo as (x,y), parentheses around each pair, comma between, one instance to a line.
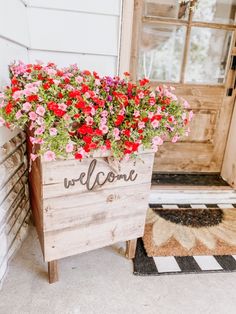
(166,265)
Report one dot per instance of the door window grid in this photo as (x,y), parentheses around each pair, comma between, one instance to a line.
(147,58)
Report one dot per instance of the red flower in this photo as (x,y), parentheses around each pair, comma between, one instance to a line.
(32,98)
(78,155)
(77,115)
(37,67)
(60,95)
(97,132)
(84,129)
(126,133)
(170,119)
(14,89)
(84,88)
(87,139)
(119,120)
(14,81)
(143,82)
(80,104)
(74,93)
(46,86)
(59,113)
(8,108)
(86,72)
(126,74)
(52,105)
(108,144)
(145,119)
(66,80)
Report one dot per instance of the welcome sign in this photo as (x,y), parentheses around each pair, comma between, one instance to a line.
(94,178)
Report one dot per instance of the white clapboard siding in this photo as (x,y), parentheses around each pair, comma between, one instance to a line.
(9,52)
(68,31)
(111,7)
(104,65)
(13,21)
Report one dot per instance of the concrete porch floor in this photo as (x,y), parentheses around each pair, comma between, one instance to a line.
(101,282)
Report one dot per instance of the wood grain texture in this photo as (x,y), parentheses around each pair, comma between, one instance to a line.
(203,150)
(74,220)
(131,248)
(229,165)
(53,272)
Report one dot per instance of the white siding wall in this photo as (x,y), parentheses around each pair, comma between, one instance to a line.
(75,31)
(14,205)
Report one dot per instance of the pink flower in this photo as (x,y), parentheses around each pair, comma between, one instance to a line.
(26,106)
(103,148)
(155,148)
(186,104)
(89,120)
(136,113)
(49,156)
(175,139)
(69,148)
(157,140)
(190,115)
(97,82)
(62,106)
(140,95)
(2,104)
(155,124)
(39,131)
(104,113)
(79,79)
(2,121)
(18,115)
(18,94)
(33,156)
(39,141)
(150,115)
(53,131)
(87,95)
(33,140)
(40,111)
(40,121)
(33,116)
(116,133)
(141,125)
(104,128)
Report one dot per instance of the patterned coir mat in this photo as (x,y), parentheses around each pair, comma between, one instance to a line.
(167,265)
(189,230)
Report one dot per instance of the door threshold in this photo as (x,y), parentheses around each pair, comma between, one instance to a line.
(176,191)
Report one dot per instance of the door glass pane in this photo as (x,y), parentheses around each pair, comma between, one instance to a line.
(215,11)
(166,8)
(161,52)
(208,55)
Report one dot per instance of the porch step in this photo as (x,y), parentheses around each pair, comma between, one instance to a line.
(192,195)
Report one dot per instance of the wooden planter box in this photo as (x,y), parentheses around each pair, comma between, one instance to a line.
(84,205)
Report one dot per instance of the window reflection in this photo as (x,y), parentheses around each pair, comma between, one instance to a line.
(215,11)
(161,52)
(208,55)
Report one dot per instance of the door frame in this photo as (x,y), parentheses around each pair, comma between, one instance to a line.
(131,21)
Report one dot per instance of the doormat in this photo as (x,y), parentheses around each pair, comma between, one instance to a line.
(173,265)
(189,230)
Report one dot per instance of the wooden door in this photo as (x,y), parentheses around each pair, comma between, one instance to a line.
(192,50)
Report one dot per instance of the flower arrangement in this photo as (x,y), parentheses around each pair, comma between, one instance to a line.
(74,112)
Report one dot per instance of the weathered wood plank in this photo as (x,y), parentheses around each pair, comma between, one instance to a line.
(64,243)
(95,207)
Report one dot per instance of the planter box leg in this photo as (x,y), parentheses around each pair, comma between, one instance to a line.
(131,248)
(52,271)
